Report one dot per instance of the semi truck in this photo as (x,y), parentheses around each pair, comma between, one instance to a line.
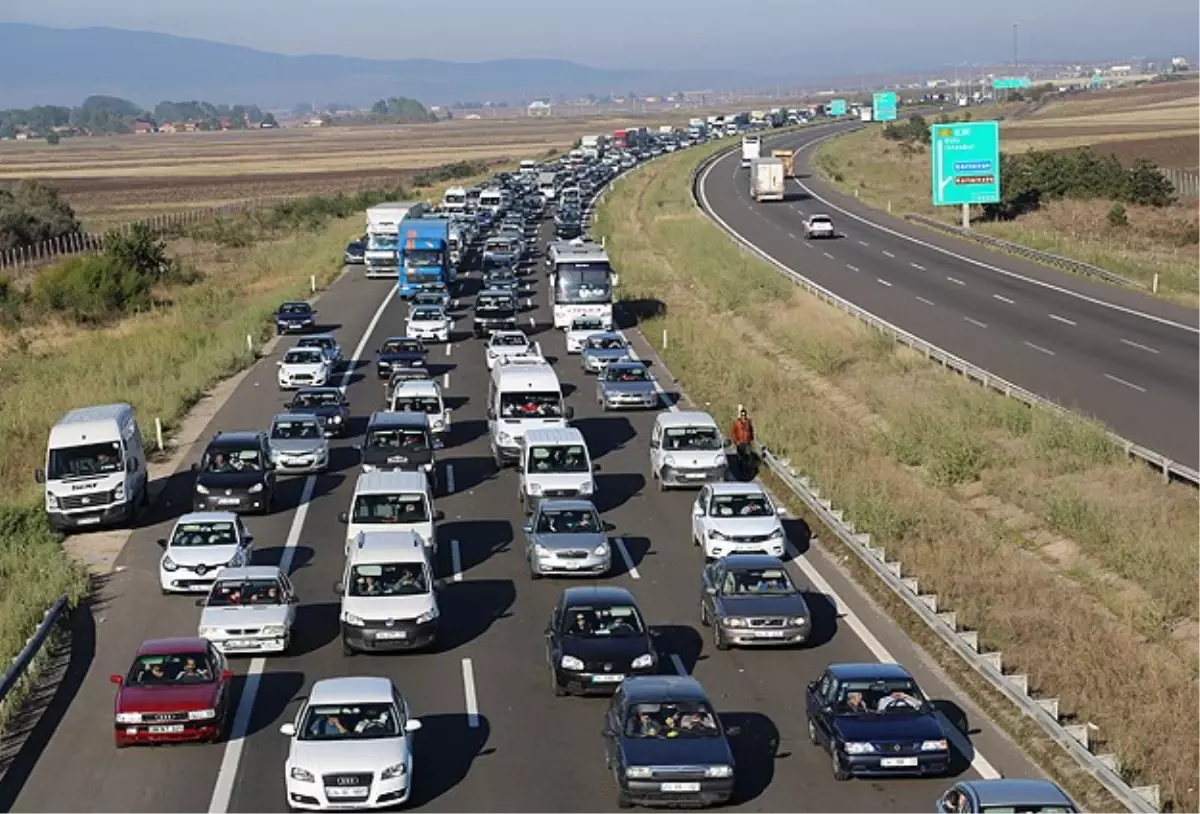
(424,255)
(766,179)
(788,157)
(382,255)
(751,149)
(591,146)
(864,114)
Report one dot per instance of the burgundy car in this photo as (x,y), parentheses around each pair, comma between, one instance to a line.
(176,690)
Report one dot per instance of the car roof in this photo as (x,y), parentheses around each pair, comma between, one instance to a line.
(554,435)
(603,594)
(305,303)
(207,517)
(400,339)
(177,644)
(250,572)
(318,390)
(360,689)
(310,337)
(736,488)
(1017,791)
(607,335)
(387,418)
(627,363)
(509,332)
(426,386)
(738,561)
(868,671)
(237,438)
(497,292)
(566,505)
(297,416)
(379,546)
(388,482)
(651,689)
(687,418)
(302,348)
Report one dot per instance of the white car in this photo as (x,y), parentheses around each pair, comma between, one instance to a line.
(819,226)
(200,545)
(737,518)
(580,329)
(249,610)
(304,367)
(350,746)
(429,323)
(507,344)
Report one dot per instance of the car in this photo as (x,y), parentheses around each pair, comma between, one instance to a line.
(355,253)
(389,594)
(874,721)
(737,518)
(580,329)
(176,690)
(567,537)
(304,367)
(495,309)
(350,746)
(401,375)
(597,637)
(235,474)
(499,252)
(328,404)
(429,323)
(400,442)
(1006,794)
(436,297)
(297,444)
(325,342)
(249,609)
(686,449)
(626,384)
(666,746)
(422,396)
(504,345)
(399,352)
(200,545)
(601,349)
(819,226)
(295,316)
(502,278)
(750,600)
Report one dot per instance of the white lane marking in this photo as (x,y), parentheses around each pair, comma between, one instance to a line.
(1063,320)
(863,243)
(975,322)
(677,664)
(1002,299)
(852,268)
(888,254)
(456,560)
(446,380)
(227,774)
(917,266)
(955,281)
(1140,346)
(927,302)
(827,254)
(1040,348)
(1130,385)
(532,322)
(884,282)
(792,236)
(808,244)
(625,558)
(449,347)
(366,337)
(449,479)
(468,671)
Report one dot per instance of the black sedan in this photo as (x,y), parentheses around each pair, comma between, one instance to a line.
(399,352)
(597,637)
(666,746)
(295,317)
(326,403)
(355,253)
(749,600)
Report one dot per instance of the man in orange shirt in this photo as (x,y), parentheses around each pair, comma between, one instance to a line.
(742,435)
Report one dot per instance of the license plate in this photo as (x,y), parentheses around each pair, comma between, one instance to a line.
(228,501)
(695,475)
(608,679)
(572,565)
(346,791)
(897,762)
(165,729)
(681,787)
(392,634)
(88,521)
(769,634)
(242,643)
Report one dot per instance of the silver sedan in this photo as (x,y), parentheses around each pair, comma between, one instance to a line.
(298,444)
(626,384)
(567,538)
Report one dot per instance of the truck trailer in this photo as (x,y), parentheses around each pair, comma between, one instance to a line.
(751,149)
(424,255)
(766,179)
(382,255)
(788,157)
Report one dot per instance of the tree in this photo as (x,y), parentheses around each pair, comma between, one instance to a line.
(52,138)
(31,212)
(401,109)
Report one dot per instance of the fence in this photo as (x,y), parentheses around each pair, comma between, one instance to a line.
(1074,737)
(20,663)
(1187,184)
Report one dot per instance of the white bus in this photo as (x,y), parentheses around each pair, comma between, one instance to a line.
(581,282)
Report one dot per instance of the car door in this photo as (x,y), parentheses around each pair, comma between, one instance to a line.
(245,540)
(613,719)
(264,448)
(656,447)
(552,642)
(700,515)
(223,702)
(819,705)
(289,596)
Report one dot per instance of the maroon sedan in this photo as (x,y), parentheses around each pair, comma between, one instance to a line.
(176,690)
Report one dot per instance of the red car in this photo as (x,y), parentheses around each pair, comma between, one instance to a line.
(176,690)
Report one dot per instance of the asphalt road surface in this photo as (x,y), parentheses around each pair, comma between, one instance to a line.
(494,737)
(1126,358)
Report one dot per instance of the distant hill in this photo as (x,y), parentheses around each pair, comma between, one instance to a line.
(62,66)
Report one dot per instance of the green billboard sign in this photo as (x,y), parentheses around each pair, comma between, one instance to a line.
(884,105)
(837,107)
(1011,83)
(965,163)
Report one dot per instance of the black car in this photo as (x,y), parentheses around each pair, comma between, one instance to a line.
(597,637)
(235,474)
(666,746)
(874,721)
(400,442)
(568,224)
(355,253)
(399,352)
(294,317)
(326,403)
(495,310)
(503,278)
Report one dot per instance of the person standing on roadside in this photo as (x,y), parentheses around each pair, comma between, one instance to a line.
(742,435)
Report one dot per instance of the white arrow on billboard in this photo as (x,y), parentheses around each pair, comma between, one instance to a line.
(940,163)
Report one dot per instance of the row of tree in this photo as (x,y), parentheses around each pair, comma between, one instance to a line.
(393,110)
(111,115)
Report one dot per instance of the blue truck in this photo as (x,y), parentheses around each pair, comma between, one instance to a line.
(424,255)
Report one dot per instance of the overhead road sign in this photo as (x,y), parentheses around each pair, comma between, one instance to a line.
(837,107)
(965,163)
(1011,83)
(885,104)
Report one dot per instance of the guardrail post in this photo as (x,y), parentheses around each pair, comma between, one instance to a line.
(312,284)
(664,338)
(249,343)
(158,433)
(1154,284)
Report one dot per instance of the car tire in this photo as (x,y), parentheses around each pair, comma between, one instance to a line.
(704,621)
(557,689)
(839,771)
(623,801)
(812,733)
(347,650)
(662,484)
(719,639)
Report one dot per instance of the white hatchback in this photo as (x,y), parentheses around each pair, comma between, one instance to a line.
(429,323)
(200,545)
(304,367)
(737,518)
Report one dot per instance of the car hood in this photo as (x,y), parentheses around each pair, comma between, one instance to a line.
(632,388)
(298,446)
(382,608)
(332,757)
(166,699)
(677,752)
(211,555)
(793,605)
(293,317)
(304,367)
(563,542)
(244,616)
(695,458)
(607,353)
(427,323)
(897,727)
(745,525)
(620,650)
(229,480)
(405,356)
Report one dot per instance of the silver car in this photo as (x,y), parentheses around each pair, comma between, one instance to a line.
(602,349)
(626,384)
(750,600)
(298,443)
(567,538)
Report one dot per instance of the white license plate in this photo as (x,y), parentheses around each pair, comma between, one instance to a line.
(392,634)
(240,644)
(165,729)
(299,461)
(769,634)
(88,521)
(897,762)
(346,791)
(695,475)
(683,787)
(608,679)
(228,501)
(572,565)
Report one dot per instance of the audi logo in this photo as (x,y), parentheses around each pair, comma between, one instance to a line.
(347,781)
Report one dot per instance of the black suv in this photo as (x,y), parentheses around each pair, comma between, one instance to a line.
(235,474)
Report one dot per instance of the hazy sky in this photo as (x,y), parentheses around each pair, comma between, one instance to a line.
(830,36)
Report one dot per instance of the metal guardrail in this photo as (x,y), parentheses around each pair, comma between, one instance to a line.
(20,663)
(1064,263)
(1074,738)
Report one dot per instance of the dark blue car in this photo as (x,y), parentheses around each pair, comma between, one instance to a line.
(294,317)
(874,721)
(399,352)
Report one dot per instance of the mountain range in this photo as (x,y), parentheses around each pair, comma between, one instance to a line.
(65,65)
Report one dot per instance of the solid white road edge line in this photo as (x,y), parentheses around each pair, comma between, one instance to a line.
(468,673)
(630,568)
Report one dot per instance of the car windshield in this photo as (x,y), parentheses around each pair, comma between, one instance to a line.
(741,506)
(416,404)
(295,308)
(401,346)
(672,719)
(390,508)
(686,438)
(428,299)
(293,429)
(194,535)
(560,458)
(350,722)
(497,245)
(389,579)
(510,340)
(316,342)
(602,621)
(233,593)
(399,439)
(567,521)
(225,461)
(587,325)
(427,315)
(899,696)
(627,374)
(757,582)
(820,219)
(171,670)
(85,461)
(531,405)
(303,356)
(317,398)
(606,343)
(495,302)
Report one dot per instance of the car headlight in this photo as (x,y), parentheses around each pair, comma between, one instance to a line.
(669,460)
(427,616)
(352,619)
(202,714)
(571,663)
(336,419)
(601,550)
(234,561)
(505,438)
(393,771)
(858,748)
(201,488)
(119,492)
(427,467)
(638,772)
(256,488)
(587,488)
(734,621)
(713,534)
(51,501)
(274,630)
(209,632)
(168,564)
(642,662)
(718,771)
(533,488)
(777,534)
(303,775)
(798,621)
(129,717)
(935,746)
(719,460)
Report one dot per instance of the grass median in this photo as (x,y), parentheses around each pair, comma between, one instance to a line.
(1074,562)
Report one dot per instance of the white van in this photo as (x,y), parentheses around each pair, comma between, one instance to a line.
(422,396)
(555,463)
(523,394)
(528,166)
(454,199)
(95,471)
(389,594)
(686,449)
(392,501)
(548,185)
(492,200)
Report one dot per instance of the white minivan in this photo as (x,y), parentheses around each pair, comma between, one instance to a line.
(492,200)
(523,394)
(392,501)
(95,472)
(555,463)
(389,594)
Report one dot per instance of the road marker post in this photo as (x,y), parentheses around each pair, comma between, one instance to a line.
(158,433)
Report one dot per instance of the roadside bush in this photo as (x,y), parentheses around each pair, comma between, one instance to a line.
(11,301)
(1117,217)
(450,172)
(909,131)
(144,252)
(91,289)
(31,212)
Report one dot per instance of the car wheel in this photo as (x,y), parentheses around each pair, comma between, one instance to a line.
(719,639)
(662,484)
(347,650)
(559,692)
(839,771)
(704,615)
(623,801)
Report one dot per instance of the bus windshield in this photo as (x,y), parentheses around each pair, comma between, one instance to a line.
(578,283)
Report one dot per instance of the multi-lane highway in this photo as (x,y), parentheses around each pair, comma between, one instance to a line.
(1123,357)
(494,737)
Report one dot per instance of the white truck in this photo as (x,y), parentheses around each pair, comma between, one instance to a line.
(382,257)
(766,179)
(751,149)
(865,114)
(590,145)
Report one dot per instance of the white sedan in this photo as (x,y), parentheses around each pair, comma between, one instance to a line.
(579,331)
(819,226)
(503,345)
(304,367)
(429,323)
(249,610)
(351,746)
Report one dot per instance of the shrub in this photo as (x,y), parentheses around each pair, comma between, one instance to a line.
(91,289)
(31,212)
(143,252)
(1117,217)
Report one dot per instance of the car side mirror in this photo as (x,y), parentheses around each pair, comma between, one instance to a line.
(438,443)
(289,404)
(288,729)
(162,542)
(439,584)
(39,475)
(293,600)
(338,588)
(195,467)
(610,526)
(826,709)
(279,363)
(698,511)
(527,528)
(569,413)
(200,603)
(491,414)
(227,675)
(116,679)
(412,725)
(653,445)
(733,731)
(357,447)
(711,590)
(595,467)
(439,516)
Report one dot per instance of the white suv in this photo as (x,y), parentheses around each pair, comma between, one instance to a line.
(737,518)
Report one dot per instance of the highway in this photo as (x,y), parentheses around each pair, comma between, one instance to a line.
(1125,358)
(494,736)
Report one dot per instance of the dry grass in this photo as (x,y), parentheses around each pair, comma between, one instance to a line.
(1075,563)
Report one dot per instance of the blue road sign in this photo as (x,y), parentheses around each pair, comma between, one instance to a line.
(965,163)
(837,107)
(884,104)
